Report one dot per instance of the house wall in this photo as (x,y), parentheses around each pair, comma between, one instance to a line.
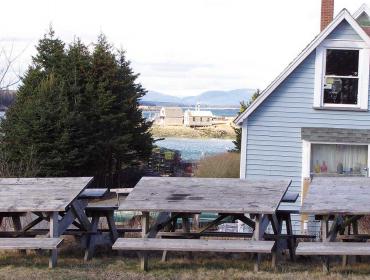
(274,145)
(173,121)
(344,32)
(199,121)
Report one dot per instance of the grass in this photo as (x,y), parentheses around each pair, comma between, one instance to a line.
(204,266)
(219,166)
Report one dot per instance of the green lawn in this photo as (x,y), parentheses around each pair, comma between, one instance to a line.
(204,266)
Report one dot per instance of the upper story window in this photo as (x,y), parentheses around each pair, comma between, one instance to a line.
(341,78)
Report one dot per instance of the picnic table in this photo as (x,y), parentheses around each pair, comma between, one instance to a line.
(254,202)
(61,202)
(338,202)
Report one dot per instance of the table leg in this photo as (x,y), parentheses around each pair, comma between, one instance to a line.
(347,231)
(186,229)
(112,226)
(17,226)
(90,246)
(291,242)
(324,236)
(277,226)
(17,223)
(172,228)
(144,231)
(355,232)
(257,236)
(53,232)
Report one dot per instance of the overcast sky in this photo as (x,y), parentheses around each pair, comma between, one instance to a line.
(180,47)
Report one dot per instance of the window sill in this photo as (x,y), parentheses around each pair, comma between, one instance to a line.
(336,175)
(340,109)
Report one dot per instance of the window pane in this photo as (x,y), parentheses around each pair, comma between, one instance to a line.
(333,159)
(340,90)
(342,62)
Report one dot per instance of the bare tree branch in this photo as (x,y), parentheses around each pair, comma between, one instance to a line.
(8,76)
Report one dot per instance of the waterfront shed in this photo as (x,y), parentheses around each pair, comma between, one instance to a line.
(171,116)
(198,118)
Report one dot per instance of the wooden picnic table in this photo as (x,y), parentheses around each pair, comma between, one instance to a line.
(338,202)
(51,199)
(254,202)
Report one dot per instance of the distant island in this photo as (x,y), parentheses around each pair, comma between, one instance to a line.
(215,98)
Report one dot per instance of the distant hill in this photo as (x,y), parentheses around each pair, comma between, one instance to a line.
(160,97)
(208,98)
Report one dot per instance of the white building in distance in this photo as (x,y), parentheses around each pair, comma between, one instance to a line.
(197,117)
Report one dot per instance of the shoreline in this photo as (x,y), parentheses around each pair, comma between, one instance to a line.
(224,131)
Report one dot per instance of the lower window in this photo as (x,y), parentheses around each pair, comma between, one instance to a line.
(339,160)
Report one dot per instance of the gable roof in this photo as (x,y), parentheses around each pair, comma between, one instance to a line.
(199,113)
(363,9)
(343,15)
(173,112)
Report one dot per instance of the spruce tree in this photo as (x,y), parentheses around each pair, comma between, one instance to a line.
(79,128)
(33,125)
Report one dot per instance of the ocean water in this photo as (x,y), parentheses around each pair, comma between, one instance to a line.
(195,149)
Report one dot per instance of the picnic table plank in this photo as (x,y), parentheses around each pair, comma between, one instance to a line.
(40,194)
(193,245)
(194,195)
(338,195)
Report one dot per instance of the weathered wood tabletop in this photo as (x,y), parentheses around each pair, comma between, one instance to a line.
(39,194)
(338,195)
(192,195)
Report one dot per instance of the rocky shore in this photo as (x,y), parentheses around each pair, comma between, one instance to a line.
(220,131)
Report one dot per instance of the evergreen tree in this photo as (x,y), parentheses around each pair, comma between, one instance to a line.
(77,112)
(33,125)
(79,145)
(238,131)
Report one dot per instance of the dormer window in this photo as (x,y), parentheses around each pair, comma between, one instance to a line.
(341,77)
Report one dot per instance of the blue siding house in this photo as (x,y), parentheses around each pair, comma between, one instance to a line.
(314,120)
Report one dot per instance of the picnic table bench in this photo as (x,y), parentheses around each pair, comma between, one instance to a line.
(344,201)
(30,243)
(194,245)
(254,202)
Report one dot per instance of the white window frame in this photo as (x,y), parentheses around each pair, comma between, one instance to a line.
(306,156)
(363,74)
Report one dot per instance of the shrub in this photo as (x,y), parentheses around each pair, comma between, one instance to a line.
(22,168)
(219,166)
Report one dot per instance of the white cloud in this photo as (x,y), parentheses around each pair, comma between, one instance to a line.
(180,47)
